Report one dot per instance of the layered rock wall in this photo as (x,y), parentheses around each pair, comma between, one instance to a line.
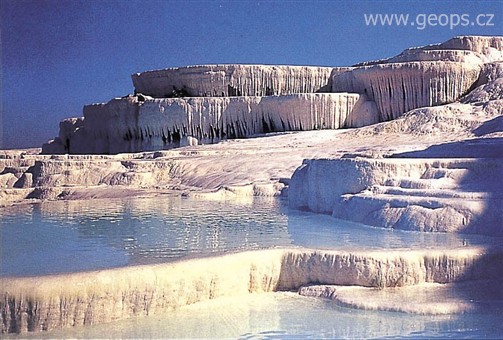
(475,49)
(136,124)
(59,301)
(447,195)
(400,87)
(232,80)
(211,102)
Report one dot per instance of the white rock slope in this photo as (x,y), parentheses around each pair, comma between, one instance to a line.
(424,76)
(449,195)
(449,186)
(475,49)
(243,100)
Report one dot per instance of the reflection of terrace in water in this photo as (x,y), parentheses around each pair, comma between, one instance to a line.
(138,231)
(155,230)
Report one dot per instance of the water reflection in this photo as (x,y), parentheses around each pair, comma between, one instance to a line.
(67,236)
(42,238)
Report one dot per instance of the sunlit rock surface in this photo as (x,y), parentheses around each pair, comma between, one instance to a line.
(236,101)
(435,167)
(58,301)
(399,87)
(466,128)
(424,76)
(477,49)
(232,80)
(425,298)
(452,185)
(136,124)
(413,194)
(448,186)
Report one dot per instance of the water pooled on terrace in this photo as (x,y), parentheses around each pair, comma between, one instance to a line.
(68,236)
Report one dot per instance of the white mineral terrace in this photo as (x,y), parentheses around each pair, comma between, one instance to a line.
(404,193)
(232,80)
(130,125)
(59,301)
(399,87)
(235,101)
(412,142)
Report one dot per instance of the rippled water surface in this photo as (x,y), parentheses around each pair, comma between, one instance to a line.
(67,236)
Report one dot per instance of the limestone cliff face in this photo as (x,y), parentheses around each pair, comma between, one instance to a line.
(474,49)
(208,103)
(232,80)
(408,193)
(488,48)
(137,123)
(424,76)
(400,87)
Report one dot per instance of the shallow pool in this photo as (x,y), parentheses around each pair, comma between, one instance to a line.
(289,316)
(67,236)
(71,236)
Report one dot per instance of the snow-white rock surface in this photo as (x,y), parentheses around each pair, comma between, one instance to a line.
(232,80)
(400,87)
(432,169)
(424,76)
(455,190)
(229,101)
(66,300)
(140,123)
(475,49)
(414,194)
(452,185)
(426,298)
(449,186)
(492,90)
(488,48)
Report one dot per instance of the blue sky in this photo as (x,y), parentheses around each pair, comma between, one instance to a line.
(59,55)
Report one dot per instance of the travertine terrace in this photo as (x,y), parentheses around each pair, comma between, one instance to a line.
(411,142)
(205,104)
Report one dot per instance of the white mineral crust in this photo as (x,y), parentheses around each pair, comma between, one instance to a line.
(232,80)
(131,125)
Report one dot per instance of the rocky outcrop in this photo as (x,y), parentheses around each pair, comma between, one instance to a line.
(427,190)
(490,91)
(408,89)
(488,48)
(68,132)
(475,49)
(424,76)
(205,104)
(448,195)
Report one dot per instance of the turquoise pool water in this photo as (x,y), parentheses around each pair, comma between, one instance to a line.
(69,236)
